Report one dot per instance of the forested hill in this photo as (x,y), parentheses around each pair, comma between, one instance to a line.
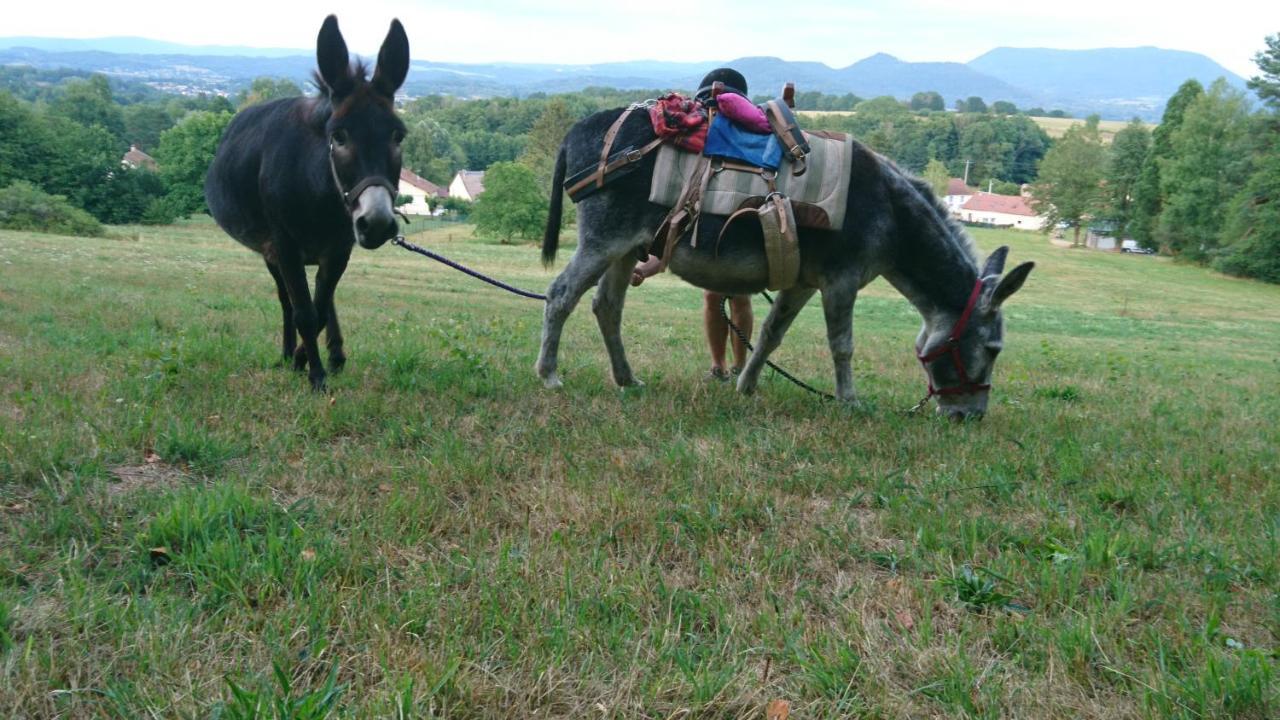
(1116,83)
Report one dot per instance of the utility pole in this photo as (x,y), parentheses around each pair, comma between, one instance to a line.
(966,171)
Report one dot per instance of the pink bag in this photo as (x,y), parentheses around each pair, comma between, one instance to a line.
(744,112)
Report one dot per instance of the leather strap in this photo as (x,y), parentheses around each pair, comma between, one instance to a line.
(786,131)
(605,166)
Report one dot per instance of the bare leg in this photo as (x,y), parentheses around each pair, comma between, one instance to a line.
(837,306)
(290,336)
(717,330)
(583,271)
(785,308)
(327,277)
(740,313)
(611,295)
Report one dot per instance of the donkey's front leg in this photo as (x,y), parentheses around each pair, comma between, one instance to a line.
(611,294)
(785,308)
(837,306)
(327,277)
(294,274)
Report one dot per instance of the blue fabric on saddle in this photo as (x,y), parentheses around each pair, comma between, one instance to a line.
(727,139)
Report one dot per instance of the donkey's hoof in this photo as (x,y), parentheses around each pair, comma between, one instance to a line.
(552,382)
(337,361)
(317,382)
(300,359)
(746,385)
(629,381)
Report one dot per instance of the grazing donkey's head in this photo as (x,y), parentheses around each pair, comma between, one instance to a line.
(959,353)
(363,131)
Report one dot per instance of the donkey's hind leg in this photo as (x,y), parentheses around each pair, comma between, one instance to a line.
(785,308)
(290,335)
(611,294)
(586,267)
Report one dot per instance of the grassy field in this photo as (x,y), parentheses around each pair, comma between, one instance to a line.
(1055,127)
(187,531)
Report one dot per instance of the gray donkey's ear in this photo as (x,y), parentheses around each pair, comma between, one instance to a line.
(995,261)
(1009,284)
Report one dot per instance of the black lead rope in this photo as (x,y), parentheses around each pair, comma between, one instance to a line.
(399,240)
(402,242)
(724,303)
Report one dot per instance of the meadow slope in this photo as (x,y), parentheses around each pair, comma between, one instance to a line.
(186,530)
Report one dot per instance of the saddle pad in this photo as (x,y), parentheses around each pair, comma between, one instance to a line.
(825,184)
(728,139)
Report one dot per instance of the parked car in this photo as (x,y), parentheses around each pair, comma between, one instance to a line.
(1138,251)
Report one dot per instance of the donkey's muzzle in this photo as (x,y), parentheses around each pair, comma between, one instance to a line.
(373,218)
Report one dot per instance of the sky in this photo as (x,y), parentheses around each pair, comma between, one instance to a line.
(594,31)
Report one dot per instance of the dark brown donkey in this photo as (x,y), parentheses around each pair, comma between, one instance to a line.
(301,180)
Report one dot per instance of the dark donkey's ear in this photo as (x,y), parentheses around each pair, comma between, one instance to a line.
(995,261)
(332,58)
(393,61)
(1009,284)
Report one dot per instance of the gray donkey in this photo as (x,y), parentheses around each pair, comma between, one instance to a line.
(894,227)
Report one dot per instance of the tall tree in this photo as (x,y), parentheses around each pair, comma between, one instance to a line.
(89,103)
(1253,225)
(1148,194)
(935,173)
(1209,163)
(545,136)
(1267,85)
(264,89)
(928,100)
(1069,187)
(1129,150)
(512,203)
(185,153)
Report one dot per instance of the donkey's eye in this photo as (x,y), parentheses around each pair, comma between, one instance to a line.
(340,137)
(397,137)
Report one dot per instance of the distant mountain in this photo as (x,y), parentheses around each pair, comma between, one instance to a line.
(1111,78)
(142,46)
(1117,83)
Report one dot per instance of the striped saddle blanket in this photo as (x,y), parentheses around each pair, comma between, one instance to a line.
(820,194)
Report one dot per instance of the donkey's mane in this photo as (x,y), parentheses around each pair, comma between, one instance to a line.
(954,230)
(358,74)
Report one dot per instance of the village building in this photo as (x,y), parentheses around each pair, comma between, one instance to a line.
(958,193)
(135,159)
(425,194)
(1011,211)
(467,185)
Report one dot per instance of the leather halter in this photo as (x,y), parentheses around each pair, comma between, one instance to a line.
(350,197)
(952,345)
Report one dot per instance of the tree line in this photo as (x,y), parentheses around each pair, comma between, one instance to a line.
(1203,186)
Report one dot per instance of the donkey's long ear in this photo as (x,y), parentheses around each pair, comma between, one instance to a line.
(393,61)
(332,58)
(1009,284)
(995,261)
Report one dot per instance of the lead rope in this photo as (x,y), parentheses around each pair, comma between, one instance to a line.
(724,302)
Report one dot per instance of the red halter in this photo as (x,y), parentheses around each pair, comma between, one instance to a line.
(952,345)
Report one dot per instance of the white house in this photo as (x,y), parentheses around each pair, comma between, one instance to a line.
(135,159)
(1010,211)
(957,194)
(467,185)
(424,193)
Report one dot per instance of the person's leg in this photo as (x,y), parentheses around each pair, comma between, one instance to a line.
(717,331)
(740,312)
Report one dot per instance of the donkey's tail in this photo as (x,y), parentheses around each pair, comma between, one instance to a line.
(551,240)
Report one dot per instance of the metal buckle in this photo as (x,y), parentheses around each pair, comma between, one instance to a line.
(634,156)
